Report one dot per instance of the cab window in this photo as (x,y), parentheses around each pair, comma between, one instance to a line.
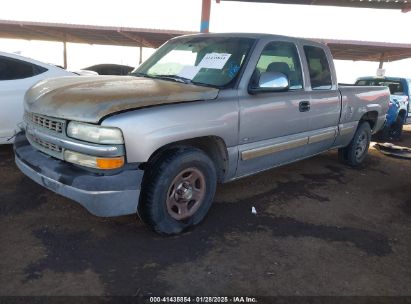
(396,87)
(281,57)
(319,68)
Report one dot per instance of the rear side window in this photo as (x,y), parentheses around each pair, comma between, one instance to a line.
(319,68)
(281,57)
(11,69)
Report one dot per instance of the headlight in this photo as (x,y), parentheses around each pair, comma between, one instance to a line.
(93,161)
(94,133)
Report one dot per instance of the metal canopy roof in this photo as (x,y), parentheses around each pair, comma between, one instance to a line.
(367,51)
(153,38)
(89,34)
(404,5)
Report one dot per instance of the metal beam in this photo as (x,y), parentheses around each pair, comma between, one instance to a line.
(55,34)
(65,54)
(376,4)
(89,34)
(406,8)
(140,40)
(205,16)
(381,61)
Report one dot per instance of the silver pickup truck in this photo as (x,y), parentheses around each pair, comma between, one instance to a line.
(203,109)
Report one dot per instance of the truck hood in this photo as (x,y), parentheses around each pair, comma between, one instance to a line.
(89,99)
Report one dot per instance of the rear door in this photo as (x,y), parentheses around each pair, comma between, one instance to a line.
(325,99)
(273,125)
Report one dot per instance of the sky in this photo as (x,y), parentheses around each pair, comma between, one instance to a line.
(290,20)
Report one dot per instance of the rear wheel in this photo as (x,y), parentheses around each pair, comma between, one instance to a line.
(395,131)
(178,190)
(392,132)
(383,134)
(355,153)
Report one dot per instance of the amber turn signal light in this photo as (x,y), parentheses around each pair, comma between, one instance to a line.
(110,163)
(105,163)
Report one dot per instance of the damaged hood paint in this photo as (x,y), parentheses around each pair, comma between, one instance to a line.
(89,99)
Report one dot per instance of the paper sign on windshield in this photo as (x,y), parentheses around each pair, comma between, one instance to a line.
(214,60)
(189,72)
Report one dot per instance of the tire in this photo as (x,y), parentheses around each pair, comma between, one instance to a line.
(395,131)
(178,191)
(383,134)
(355,153)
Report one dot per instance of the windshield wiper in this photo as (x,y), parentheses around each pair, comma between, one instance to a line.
(173,77)
(165,77)
(184,80)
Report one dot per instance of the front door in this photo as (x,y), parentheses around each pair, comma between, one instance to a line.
(274,125)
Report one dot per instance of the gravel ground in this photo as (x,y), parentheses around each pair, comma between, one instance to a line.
(321,228)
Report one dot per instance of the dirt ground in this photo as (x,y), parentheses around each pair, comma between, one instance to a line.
(321,228)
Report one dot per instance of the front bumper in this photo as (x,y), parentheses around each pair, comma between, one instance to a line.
(102,194)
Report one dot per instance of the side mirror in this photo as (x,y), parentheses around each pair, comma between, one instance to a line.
(271,82)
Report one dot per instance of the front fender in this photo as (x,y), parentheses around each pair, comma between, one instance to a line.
(147,130)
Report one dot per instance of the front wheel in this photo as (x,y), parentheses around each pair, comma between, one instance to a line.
(178,190)
(355,153)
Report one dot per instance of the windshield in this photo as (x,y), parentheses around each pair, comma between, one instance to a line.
(394,86)
(210,61)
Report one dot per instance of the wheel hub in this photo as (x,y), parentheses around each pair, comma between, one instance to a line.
(361,145)
(186,193)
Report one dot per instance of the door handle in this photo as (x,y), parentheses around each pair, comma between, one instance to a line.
(304,106)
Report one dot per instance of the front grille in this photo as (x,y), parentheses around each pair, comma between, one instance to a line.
(45,147)
(45,144)
(45,122)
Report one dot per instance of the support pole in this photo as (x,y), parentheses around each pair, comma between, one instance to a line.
(381,61)
(141,55)
(381,71)
(65,54)
(205,16)
(406,8)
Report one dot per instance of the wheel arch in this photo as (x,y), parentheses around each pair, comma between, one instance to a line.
(403,114)
(371,117)
(214,146)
